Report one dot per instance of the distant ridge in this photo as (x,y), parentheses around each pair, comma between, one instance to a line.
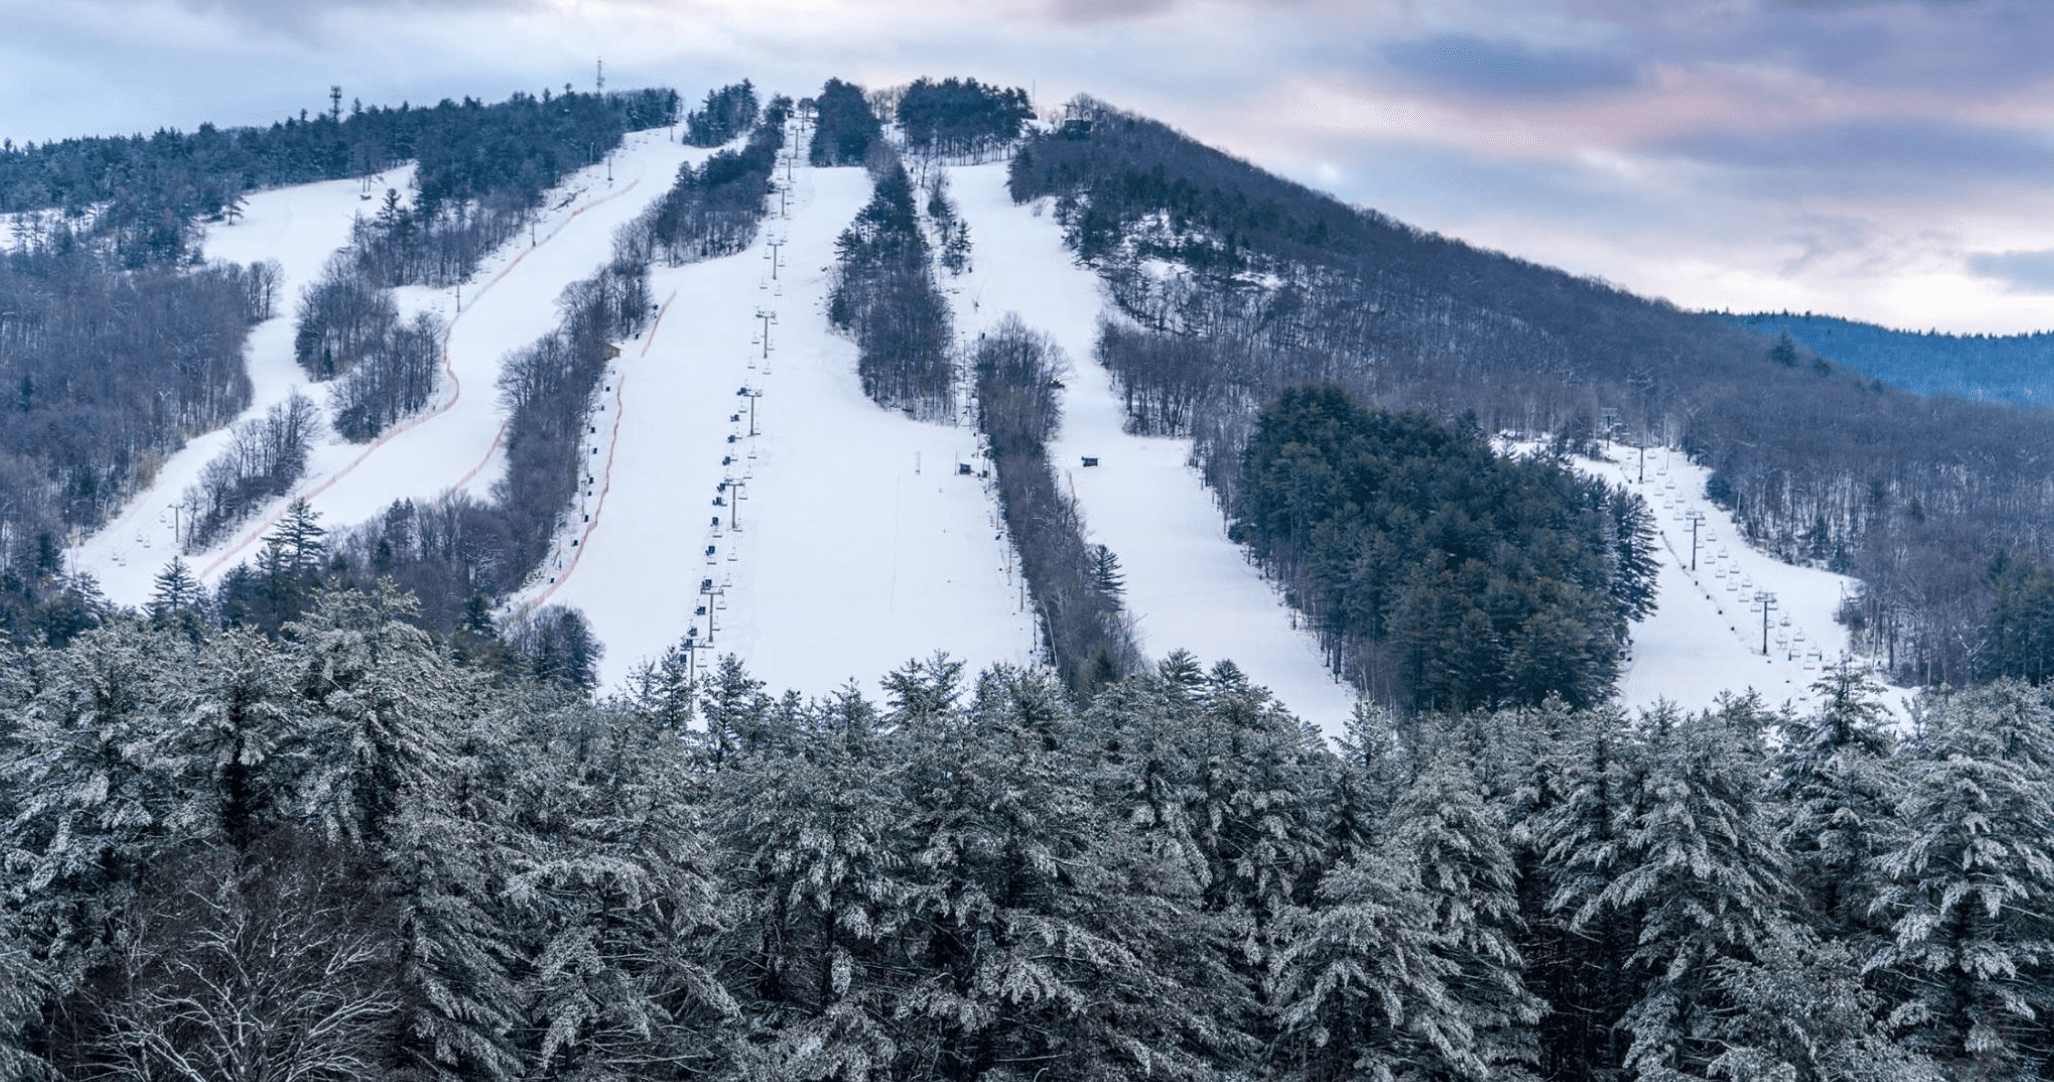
(2016,368)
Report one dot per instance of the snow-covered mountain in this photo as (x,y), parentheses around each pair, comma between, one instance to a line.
(746,494)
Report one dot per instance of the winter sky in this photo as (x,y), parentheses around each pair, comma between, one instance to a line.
(1888,161)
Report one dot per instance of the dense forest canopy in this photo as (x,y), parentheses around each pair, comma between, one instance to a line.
(344,852)
(727,113)
(959,118)
(844,126)
(1441,574)
(2008,368)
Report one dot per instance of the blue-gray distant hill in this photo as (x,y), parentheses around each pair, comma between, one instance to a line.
(2009,368)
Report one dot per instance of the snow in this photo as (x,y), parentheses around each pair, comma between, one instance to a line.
(299,227)
(453,445)
(1705,636)
(860,547)
(1188,586)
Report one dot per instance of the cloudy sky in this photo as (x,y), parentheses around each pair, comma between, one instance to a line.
(1889,161)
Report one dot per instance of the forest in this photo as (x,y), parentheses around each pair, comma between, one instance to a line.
(883,294)
(349,850)
(1236,286)
(2003,368)
(1076,585)
(960,119)
(118,341)
(1438,573)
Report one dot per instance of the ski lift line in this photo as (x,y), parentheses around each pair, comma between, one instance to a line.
(250,536)
(584,542)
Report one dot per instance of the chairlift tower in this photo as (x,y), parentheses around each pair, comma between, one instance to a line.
(1697,519)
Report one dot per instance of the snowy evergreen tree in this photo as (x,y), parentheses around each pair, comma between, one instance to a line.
(1046,942)
(1578,947)
(1836,795)
(734,708)
(91,801)
(1362,986)
(612,886)
(1800,1010)
(396,771)
(1459,844)
(1969,890)
(819,873)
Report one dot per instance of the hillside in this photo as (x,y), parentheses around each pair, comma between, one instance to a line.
(2002,368)
(1237,285)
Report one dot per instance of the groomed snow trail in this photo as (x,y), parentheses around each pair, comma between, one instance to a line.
(859,546)
(1187,586)
(509,302)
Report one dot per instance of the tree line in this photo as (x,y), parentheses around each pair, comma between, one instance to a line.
(960,119)
(104,373)
(845,128)
(2007,368)
(715,210)
(727,113)
(265,456)
(1271,286)
(344,852)
(1075,585)
(883,294)
(146,193)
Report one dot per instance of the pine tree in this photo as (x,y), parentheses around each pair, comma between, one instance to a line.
(1362,984)
(1970,884)
(734,706)
(1701,872)
(1458,842)
(820,876)
(91,800)
(399,769)
(1578,946)
(1049,943)
(1836,795)
(612,883)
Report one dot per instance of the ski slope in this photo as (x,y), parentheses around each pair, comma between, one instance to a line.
(859,546)
(1187,586)
(454,444)
(300,227)
(1707,632)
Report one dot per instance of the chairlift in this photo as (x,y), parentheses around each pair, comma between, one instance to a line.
(709,549)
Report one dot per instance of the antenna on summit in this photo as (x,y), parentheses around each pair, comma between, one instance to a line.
(599,78)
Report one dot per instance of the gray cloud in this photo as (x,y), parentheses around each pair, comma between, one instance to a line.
(1875,154)
(1467,64)
(1089,12)
(2021,272)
